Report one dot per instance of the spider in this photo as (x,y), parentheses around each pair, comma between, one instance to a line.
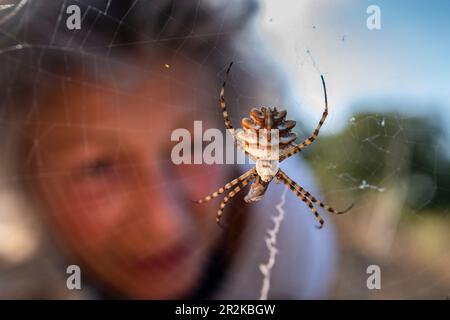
(262,121)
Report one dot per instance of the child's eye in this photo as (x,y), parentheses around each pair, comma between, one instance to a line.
(100,167)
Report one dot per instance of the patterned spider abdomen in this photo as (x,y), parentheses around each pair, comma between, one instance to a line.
(267,134)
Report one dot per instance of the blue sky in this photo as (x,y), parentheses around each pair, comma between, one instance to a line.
(407,61)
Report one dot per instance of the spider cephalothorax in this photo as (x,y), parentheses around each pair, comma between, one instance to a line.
(266,137)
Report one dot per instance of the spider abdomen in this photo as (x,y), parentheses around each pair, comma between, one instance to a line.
(267,131)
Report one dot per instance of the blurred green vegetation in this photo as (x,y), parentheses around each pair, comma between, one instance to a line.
(383,150)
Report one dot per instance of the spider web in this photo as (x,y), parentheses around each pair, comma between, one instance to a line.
(33,35)
(365,153)
(382,147)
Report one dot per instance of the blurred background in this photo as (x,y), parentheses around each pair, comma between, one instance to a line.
(384,145)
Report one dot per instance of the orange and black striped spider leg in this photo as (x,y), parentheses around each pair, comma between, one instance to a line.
(226,119)
(229,185)
(230,195)
(303,198)
(311,197)
(314,135)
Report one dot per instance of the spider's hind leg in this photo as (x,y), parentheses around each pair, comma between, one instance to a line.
(314,135)
(226,119)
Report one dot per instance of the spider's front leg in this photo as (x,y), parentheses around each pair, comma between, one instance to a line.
(310,196)
(230,195)
(306,197)
(302,197)
(226,187)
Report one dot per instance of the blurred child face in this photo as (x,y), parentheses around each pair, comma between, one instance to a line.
(121,207)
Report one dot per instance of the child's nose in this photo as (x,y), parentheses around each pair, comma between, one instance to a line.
(158,211)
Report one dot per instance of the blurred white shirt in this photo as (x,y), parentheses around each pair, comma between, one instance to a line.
(306,259)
